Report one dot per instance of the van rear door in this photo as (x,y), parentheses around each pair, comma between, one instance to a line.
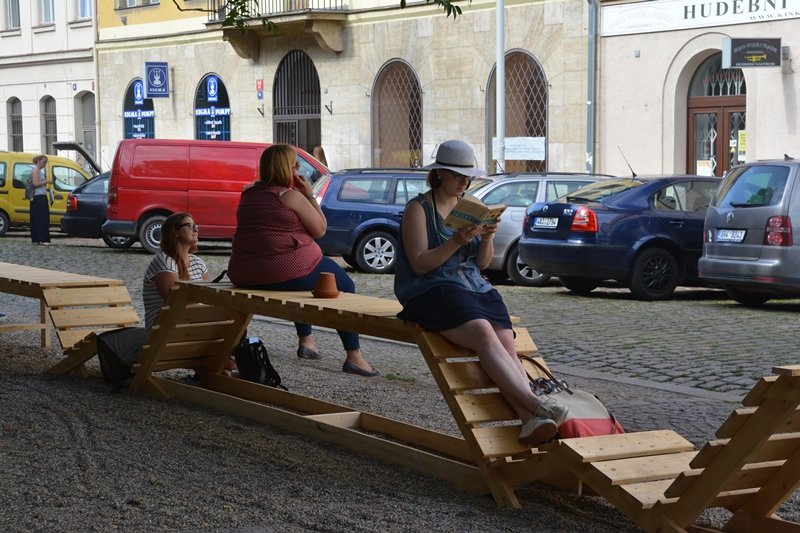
(217,175)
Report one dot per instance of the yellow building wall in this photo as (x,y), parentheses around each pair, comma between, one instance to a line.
(109,16)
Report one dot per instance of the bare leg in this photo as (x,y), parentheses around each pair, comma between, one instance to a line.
(356,357)
(307,342)
(495,350)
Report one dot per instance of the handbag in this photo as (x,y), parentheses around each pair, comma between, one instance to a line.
(587,416)
(29,189)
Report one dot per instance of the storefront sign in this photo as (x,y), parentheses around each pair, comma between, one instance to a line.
(156,76)
(741,53)
(664,15)
(138,93)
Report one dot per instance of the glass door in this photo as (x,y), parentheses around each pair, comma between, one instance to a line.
(718,140)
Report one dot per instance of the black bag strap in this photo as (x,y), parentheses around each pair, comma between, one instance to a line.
(559,382)
(221,275)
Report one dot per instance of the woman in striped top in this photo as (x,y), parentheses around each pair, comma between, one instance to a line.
(174,261)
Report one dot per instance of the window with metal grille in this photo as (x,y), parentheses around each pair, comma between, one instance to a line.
(525,110)
(49,124)
(12,14)
(296,102)
(14,111)
(397,117)
(711,79)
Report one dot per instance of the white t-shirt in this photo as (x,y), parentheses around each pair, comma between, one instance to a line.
(161,262)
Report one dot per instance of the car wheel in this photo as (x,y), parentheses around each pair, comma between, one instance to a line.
(522,274)
(579,285)
(350,260)
(118,241)
(150,233)
(375,253)
(4,223)
(750,299)
(655,275)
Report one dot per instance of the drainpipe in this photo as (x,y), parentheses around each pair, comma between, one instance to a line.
(98,155)
(590,89)
(500,86)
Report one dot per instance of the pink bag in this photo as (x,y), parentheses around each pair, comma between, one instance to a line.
(587,417)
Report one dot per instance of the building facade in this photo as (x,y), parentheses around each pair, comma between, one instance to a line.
(370,82)
(47,73)
(670,102)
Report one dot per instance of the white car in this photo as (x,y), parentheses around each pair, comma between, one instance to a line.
(516,191)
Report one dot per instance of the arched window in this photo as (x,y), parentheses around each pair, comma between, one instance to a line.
(85,122)
(717,135)
(49,124)
(526,113)
(397,117)
(138,114)
(14,113)
(212,110)
(296,102)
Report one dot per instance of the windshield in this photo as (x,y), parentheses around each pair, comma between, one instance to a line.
(594,192)
(754,186)
(478,183)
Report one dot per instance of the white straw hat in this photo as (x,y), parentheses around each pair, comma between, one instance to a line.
(458,157)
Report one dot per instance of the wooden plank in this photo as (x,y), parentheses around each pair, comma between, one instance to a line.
(787,370)
(444,349)
(461,475)
(777,489)
(626,445)
(459,377)
(480,408)
(69,338)
(647,493)
(81,351)
(199,331)
(87,296)
(350,419)
(747,477)
(756,394)
(778,446)
(740,417)
(500,441)
(523,342)
(93,316)
(533,370)
(769,418)
(642,469)
(190,350)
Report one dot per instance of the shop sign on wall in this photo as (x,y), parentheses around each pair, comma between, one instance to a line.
(156,76)
(744,53)
(666,15)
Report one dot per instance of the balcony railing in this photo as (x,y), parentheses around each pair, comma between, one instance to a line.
(267,8)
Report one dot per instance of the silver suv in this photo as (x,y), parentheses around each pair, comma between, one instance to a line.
(749,247)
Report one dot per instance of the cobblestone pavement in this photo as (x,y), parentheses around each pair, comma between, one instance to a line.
(698,339)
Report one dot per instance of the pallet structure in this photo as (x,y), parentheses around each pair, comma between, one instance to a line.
(79,307)
(654,477)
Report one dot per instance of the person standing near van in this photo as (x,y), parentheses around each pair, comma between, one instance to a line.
(274,249)
(40,205)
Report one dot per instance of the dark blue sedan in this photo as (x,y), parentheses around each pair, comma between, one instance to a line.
(645,232)
(86,213)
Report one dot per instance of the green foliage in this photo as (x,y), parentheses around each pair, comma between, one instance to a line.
(238,12)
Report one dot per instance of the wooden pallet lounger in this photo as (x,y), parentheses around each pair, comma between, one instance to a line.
(655,477)
(79,306)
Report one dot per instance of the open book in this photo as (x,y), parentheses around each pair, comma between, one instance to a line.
(469,210)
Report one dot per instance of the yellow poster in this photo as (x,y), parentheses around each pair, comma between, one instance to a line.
(742,149)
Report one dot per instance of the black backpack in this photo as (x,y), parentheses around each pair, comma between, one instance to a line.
(253,363)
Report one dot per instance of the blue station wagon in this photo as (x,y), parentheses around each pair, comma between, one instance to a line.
(364,208)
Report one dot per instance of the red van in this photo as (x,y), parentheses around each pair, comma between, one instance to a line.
(153,178)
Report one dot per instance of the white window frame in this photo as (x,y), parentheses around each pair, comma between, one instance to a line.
(12,15)
(84,9)
(47,12)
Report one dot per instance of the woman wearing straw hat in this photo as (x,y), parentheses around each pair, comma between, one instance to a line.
(438,280)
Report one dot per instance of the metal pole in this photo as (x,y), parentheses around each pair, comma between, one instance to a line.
(590,89)
(500,87)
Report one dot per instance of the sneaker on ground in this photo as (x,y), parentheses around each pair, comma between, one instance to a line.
(537,431)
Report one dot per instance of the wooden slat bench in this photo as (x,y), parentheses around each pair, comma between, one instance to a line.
(202,322)
(655,477)
(751,469)
(79,306)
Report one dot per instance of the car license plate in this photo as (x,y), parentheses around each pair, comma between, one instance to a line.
(730,235)
(545,222)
